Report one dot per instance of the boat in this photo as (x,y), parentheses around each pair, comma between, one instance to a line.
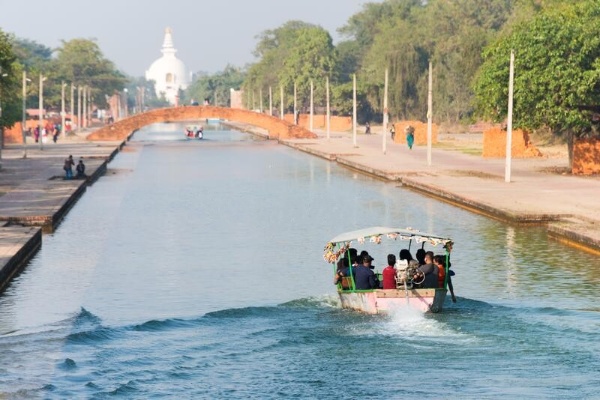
(194,132)
(407,292)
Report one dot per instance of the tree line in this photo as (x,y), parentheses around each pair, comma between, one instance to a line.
(468,42)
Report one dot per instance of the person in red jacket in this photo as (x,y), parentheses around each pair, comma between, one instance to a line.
(389,273)
(439,263)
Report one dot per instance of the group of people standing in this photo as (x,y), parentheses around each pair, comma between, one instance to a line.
(428,269)
(68,168)
(48,129)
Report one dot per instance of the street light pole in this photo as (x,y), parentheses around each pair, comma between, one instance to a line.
(72,104)
(1,130)
(125,97)
(41,111)
(78,108)
(62,109)
(84,120)
(24,119)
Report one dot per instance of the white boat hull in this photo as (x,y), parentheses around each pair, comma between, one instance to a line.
(381,301)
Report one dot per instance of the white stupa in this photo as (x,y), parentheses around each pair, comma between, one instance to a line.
(168,72)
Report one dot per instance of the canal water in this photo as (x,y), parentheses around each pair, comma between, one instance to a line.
(193,269)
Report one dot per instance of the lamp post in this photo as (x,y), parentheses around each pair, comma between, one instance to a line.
(78,108)
(125,96)
(84,120)
(24,119)
(1,130)
(72,105)
(41,111)
(62,109)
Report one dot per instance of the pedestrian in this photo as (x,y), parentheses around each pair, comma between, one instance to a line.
(393,132)
(410,136)
(367,128)
(68,167)
(80,170)
(56,133)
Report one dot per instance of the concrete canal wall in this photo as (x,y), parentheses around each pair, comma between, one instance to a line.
(35,197)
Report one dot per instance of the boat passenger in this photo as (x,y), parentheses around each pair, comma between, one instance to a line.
(439,262)
(405,255)
(364,254)
(342,270)
(430,271)
(364,277)
(353,256)
(420,255)
(389,273)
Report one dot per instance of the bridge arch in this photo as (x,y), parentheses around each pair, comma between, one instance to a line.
(277,128)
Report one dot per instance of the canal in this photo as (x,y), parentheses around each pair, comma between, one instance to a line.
(194,269)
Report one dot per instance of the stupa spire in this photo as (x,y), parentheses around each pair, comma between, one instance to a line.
(167,47)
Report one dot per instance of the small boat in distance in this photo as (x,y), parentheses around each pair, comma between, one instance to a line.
(194,132)
(407,292)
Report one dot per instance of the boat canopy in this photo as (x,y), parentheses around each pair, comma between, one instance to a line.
(375,234)
(392,233)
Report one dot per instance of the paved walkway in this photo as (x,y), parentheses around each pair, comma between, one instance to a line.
(568,204)
(34,193)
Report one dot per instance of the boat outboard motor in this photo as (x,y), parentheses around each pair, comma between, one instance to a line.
(405,272)
(401,276)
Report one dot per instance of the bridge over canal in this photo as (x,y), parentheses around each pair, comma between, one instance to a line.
(277,128)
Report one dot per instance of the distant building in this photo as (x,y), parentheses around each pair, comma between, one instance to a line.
(236,97)
(168,72)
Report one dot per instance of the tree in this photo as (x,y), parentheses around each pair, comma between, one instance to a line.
(557,71)
(312,57)
(215,87)
(273,49)
(81,62)
(342,97)
(30,53)
(9,70)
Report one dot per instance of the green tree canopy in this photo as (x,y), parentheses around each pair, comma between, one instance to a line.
(9,84)
(215,87)
(557,71)
(81,62)
(409,35)
(312,57)
(294,49)
(30,53)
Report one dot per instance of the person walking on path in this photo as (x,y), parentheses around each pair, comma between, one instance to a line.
(410,136)
(367,128)
(68,167)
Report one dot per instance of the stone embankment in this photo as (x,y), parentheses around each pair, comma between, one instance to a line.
(35,197)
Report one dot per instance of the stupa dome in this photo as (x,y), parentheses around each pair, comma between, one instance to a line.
(168,72)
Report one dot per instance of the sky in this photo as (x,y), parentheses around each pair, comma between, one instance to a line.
(208,35)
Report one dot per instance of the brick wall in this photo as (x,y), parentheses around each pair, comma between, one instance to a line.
(13,134)
(494,144)
(277,128)
(336,122)
(586,157)
(420,132)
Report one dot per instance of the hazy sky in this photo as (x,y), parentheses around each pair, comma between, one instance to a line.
(207,34)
